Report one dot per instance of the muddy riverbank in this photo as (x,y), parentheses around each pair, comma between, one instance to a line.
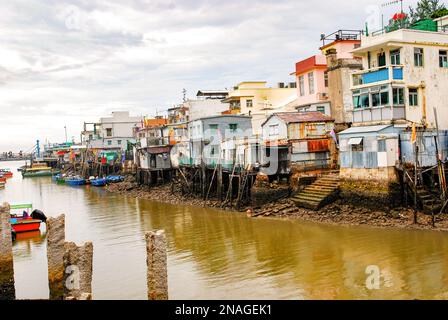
(339,212)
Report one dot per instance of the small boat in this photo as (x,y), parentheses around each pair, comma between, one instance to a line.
(2,185)
(39,170)
(75,181)
(26,222)
(98,182)
(114,179)
(2,178)
(6,173)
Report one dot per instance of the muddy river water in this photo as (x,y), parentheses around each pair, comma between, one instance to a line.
(225,255)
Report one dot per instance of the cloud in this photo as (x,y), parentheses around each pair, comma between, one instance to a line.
(65,62)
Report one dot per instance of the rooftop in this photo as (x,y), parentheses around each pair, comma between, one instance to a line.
(295,117)
(317,61)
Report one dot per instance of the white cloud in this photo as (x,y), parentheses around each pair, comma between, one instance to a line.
(63,62)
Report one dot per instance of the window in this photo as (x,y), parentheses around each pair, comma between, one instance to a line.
(326,79)
(249,103)
(109,132)
(233,127)
(395,57)
(302,86)
(273,130)
(320,109)
(413,97)
(381,59)
(213,128)
(119,142)
(443,59)
(374,96)
(109,142)
(398,96)
(382,146)
(358,147)
(418,57)
(311,82)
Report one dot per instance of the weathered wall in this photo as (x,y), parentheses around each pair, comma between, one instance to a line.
(387,174)
(371,194)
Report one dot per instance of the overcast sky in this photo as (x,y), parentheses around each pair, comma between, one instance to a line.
(66,62)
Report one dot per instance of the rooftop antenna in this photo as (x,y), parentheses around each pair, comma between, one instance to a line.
(391,3)
(184,94)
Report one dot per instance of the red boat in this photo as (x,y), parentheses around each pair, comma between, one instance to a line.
(25,221)
(6,173)
(25,224)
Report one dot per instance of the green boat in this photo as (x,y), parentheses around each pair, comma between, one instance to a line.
(39,173)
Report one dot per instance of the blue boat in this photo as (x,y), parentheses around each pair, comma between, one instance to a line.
(98,182)
(75,182)
(114,179)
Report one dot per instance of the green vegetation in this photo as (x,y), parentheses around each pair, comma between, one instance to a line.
(427,9)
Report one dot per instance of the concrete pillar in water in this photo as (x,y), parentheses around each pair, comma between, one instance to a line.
(156,261)
(55,256)
(7,289)
(78,268)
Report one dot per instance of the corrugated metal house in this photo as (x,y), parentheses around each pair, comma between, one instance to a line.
(297,139)
(206,135)
(427,155)
(153,147)
(369,152)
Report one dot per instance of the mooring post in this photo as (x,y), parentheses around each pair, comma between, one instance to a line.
(7,289)
(156,261)
(55,256)
(78,268)
(219,183)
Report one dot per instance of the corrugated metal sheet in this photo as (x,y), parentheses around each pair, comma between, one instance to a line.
(364,129)
(318,145)
(312,116)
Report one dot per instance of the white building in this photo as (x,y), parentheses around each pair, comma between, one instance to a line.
(404,78)
(113,132)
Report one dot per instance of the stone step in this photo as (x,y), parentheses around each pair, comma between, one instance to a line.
(313,197)
(313,205)
(329,186)
(317,190)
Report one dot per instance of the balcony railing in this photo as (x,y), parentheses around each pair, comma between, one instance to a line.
(154,142)
(374,75)
(377,114)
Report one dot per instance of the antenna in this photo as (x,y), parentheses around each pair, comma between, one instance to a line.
(390,3)
(184,94)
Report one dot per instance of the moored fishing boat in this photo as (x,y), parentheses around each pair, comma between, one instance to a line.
(39,170)
(6,173)
(114,179)
(24,221)
(101,182)
(75,181)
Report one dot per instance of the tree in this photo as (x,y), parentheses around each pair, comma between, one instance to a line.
(427,9)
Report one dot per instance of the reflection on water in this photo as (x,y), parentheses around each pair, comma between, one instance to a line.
(222,255)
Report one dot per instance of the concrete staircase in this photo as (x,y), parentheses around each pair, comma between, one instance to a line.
(430,203)
(317,195)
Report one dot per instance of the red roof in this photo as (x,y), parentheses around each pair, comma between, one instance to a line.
(294,117)
(309,64)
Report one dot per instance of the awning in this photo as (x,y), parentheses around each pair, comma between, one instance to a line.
(354,141)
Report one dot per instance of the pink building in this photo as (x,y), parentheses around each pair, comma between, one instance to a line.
(312,85)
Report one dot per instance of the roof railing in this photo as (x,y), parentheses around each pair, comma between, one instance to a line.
(342,34)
